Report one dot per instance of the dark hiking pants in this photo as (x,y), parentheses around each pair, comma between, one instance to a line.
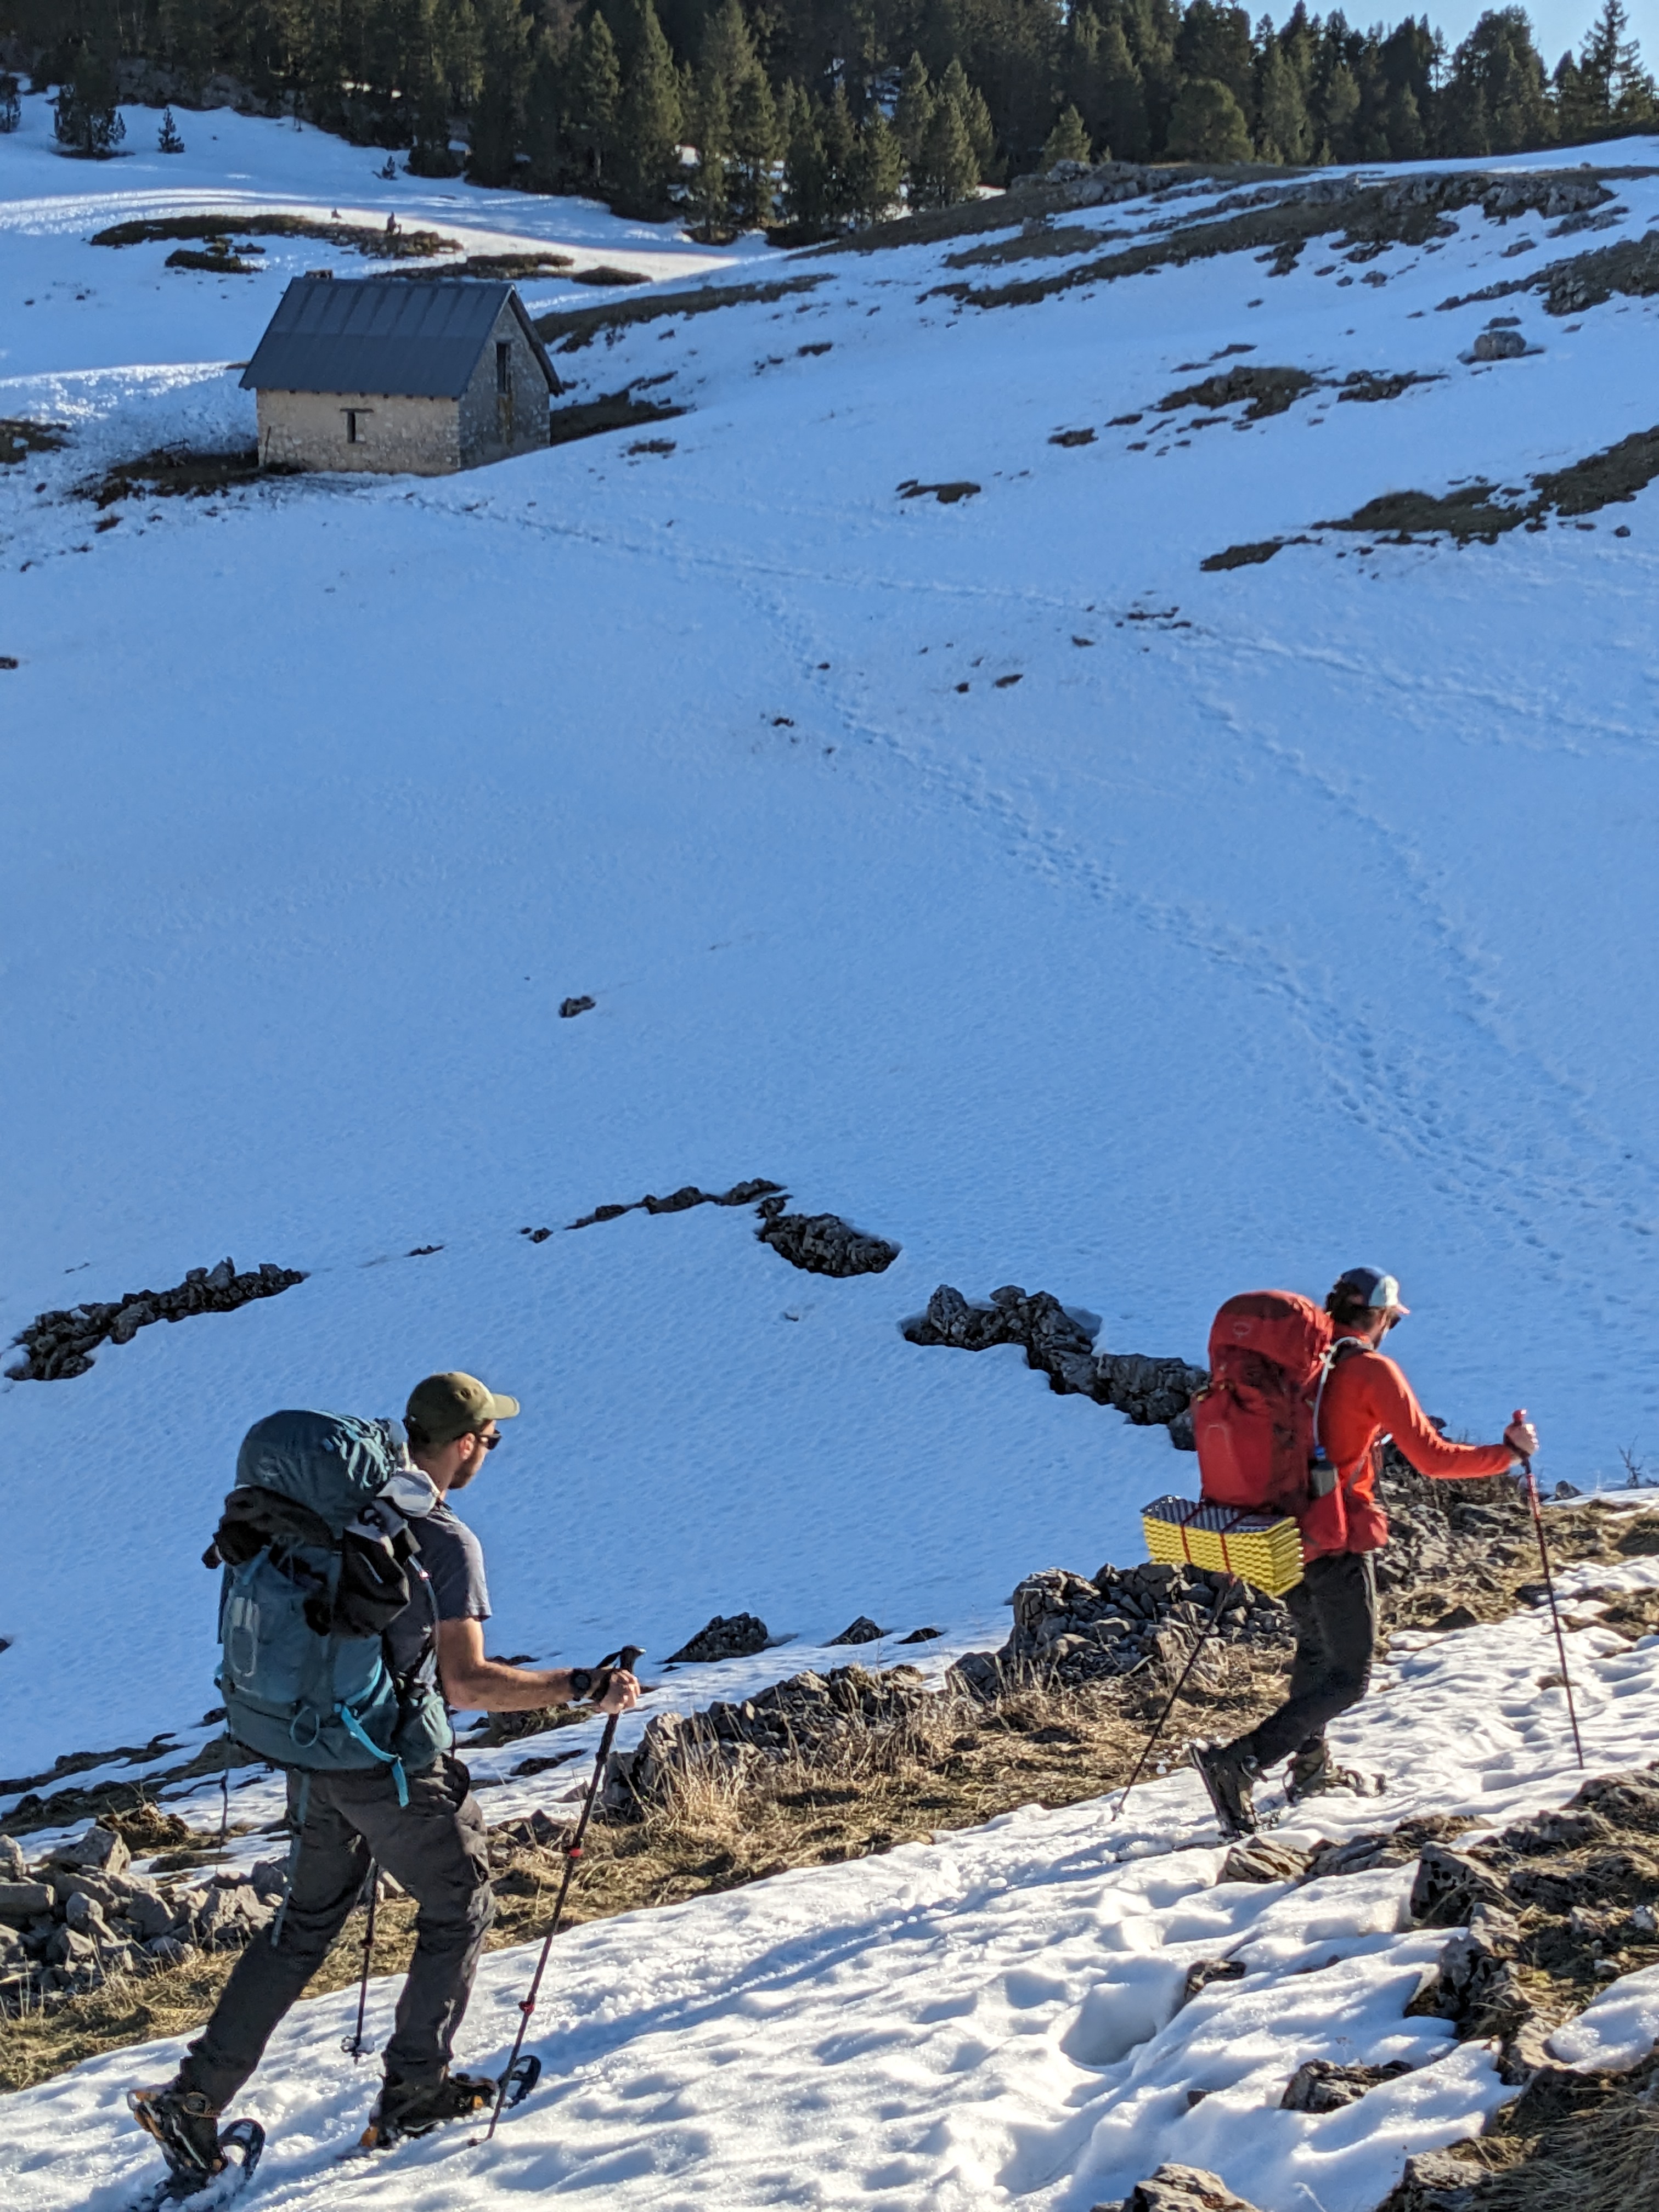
(1334,1609)
(434,1847)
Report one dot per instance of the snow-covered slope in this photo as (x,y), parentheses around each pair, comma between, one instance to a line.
(1272,918)
(993,2019)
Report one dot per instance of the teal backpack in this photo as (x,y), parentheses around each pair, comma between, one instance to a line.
(317,1566)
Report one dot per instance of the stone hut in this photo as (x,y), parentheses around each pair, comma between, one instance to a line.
(391,374)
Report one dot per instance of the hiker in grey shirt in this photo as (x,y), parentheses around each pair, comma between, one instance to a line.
(433,1845)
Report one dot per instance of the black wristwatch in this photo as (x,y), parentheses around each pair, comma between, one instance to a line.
(581,1681)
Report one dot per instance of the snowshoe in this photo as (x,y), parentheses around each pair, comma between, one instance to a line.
(1230,1776)
(414,2108)
(206,2165)
(1312,1772)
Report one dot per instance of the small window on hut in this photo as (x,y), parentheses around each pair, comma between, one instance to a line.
(503,365)
(354,436)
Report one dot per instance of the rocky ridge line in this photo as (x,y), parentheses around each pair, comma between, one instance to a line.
(60,1344)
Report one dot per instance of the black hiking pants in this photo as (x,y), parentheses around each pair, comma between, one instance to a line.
(1334,1609)
(434,1847)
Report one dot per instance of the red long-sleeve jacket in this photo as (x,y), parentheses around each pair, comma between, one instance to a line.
(1368,1397)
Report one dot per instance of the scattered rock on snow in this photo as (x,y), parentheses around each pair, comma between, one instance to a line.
(822,1243)
(1058,1342)
(1180,2189)
(738,1637)
(861,1630)
(60,1344)
(1321,2085)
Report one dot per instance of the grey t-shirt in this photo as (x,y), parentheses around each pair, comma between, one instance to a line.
(453,1559)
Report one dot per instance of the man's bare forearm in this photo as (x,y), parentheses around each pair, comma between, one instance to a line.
(492,1689)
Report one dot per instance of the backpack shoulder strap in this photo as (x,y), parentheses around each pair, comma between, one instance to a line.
(1335,1351)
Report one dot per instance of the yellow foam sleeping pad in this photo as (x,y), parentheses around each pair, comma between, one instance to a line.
(1264,1551)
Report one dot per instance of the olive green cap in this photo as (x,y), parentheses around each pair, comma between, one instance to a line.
(445,1407)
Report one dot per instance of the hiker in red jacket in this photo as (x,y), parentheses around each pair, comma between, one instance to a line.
(1334,1607)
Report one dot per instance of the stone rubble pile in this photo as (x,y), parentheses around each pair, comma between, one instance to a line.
(808,1717)
(1073,1629)
(1060,1344)
(822,1244)
(73,1920)
(60,1344)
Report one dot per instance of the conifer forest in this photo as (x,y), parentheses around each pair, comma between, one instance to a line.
(806,114)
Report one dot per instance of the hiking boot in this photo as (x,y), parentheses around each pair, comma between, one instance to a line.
(414,2108)
(185,2125)
(1312,1772)
(1229,1775)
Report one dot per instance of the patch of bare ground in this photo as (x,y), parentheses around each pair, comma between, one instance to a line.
(1034,241)
(19,437)
(1268,391)
(1586,280)
(353,237)
(603,273)
(1413,211)
(572,328)
(1482,510)
(508,268)
(616,410)
(1382,384)
(172,472)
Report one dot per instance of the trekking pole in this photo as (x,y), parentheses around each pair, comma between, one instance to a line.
(353,2045)
(1549,1586)
(622,1661)
(1210,1627)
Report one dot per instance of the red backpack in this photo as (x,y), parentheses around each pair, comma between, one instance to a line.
(1254,1426)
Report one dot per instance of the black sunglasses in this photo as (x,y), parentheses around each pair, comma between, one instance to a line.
(489,1442)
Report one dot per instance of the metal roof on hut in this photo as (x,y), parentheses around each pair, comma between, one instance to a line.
(404,336)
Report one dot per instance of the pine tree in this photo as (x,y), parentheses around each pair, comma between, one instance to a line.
(649,124)
(1339,114)
(946,171)
(1495,88)
(805,167)
(460,53)
(712,126)
(1613,86)
(168,140)
(878,168)
(1121,127)
(185,29)
(543,104)
(1283,132)
(11,109)
(86,117)
(1068,141)
(841,157)
(976,116)
(594,95)
(755,146)
(498,112)
(913,111)
(1207,124)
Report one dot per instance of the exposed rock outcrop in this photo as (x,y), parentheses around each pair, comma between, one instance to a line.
(805,1718)
(60,1344)
(1058,1342)
(737,1636)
